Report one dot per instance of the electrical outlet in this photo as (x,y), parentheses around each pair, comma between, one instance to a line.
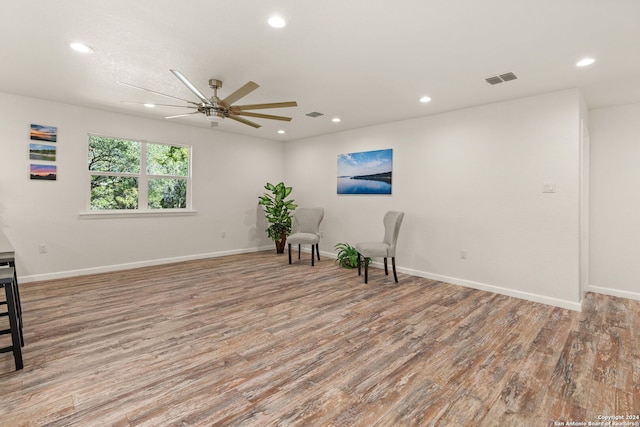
(548,187)
(463,254)
(42,248)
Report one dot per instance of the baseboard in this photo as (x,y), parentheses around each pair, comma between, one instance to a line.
(453,280)
(137,264)
(614,292)
(570,305)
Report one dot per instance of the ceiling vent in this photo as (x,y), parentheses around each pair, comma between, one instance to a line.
(500,78)
(314,114)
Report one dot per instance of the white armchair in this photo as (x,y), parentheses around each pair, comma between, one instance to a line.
(386,248)
(306,223)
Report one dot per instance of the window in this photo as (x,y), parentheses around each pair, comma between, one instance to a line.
(137,175)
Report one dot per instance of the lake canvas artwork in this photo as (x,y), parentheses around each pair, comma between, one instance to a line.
(44,133)
(42,152)
(367,172)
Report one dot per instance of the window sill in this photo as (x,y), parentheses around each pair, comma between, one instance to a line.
(135,214)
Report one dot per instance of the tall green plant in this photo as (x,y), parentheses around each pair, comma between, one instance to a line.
(278,212)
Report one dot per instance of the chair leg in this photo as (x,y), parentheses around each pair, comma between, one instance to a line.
(14,325)
(359,263)
(289,253)
(366,270)
(299,251)
(313,247)
(17,295)
(318,251)
(393,262)
(386,269)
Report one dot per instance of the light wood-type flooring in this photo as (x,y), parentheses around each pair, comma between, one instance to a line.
(248,340)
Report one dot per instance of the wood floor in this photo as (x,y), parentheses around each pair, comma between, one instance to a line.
(248,340)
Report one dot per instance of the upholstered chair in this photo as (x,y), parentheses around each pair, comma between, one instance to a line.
(306,224)
(384,249)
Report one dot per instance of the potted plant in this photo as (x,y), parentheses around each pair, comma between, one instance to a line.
(347,255)
(278,213)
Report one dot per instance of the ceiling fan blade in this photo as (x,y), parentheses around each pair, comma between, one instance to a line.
(182,115)
(263,116)
(265,106)
(243,91)
(245,121)
(157,93)
(158,105)
(191,87)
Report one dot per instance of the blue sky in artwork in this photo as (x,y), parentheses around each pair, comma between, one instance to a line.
(45,129)
(365,163)
(44,133)
(41,147)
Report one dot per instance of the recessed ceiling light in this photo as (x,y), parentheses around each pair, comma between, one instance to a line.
(584,62)
(277,22)
(425,99)
(149,105)
(281,131)
(336,120)
(81,47)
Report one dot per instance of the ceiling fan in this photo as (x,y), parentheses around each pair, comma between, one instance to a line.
(216,109)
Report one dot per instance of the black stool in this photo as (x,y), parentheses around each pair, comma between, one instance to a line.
(7,258)
(7,281)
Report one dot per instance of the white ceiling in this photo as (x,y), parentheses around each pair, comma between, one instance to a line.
(365,61)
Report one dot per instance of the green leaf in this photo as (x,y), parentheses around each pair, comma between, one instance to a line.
(277,210)
(347,255)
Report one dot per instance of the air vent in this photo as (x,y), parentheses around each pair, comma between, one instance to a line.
(508,76)
(314,114)
(494,80)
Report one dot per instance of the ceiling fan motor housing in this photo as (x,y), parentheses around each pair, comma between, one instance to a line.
(213,114)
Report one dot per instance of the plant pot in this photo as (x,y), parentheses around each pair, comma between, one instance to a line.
(280,244)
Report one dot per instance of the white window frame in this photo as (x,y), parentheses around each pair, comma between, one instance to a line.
(143,185)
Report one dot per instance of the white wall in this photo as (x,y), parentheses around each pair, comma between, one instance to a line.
(229,172)
(469,179)
(585,192)
(615,200)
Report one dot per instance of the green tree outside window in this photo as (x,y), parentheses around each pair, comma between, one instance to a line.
(137,175)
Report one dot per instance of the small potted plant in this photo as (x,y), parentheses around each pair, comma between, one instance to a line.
(347,255)
(278,213)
